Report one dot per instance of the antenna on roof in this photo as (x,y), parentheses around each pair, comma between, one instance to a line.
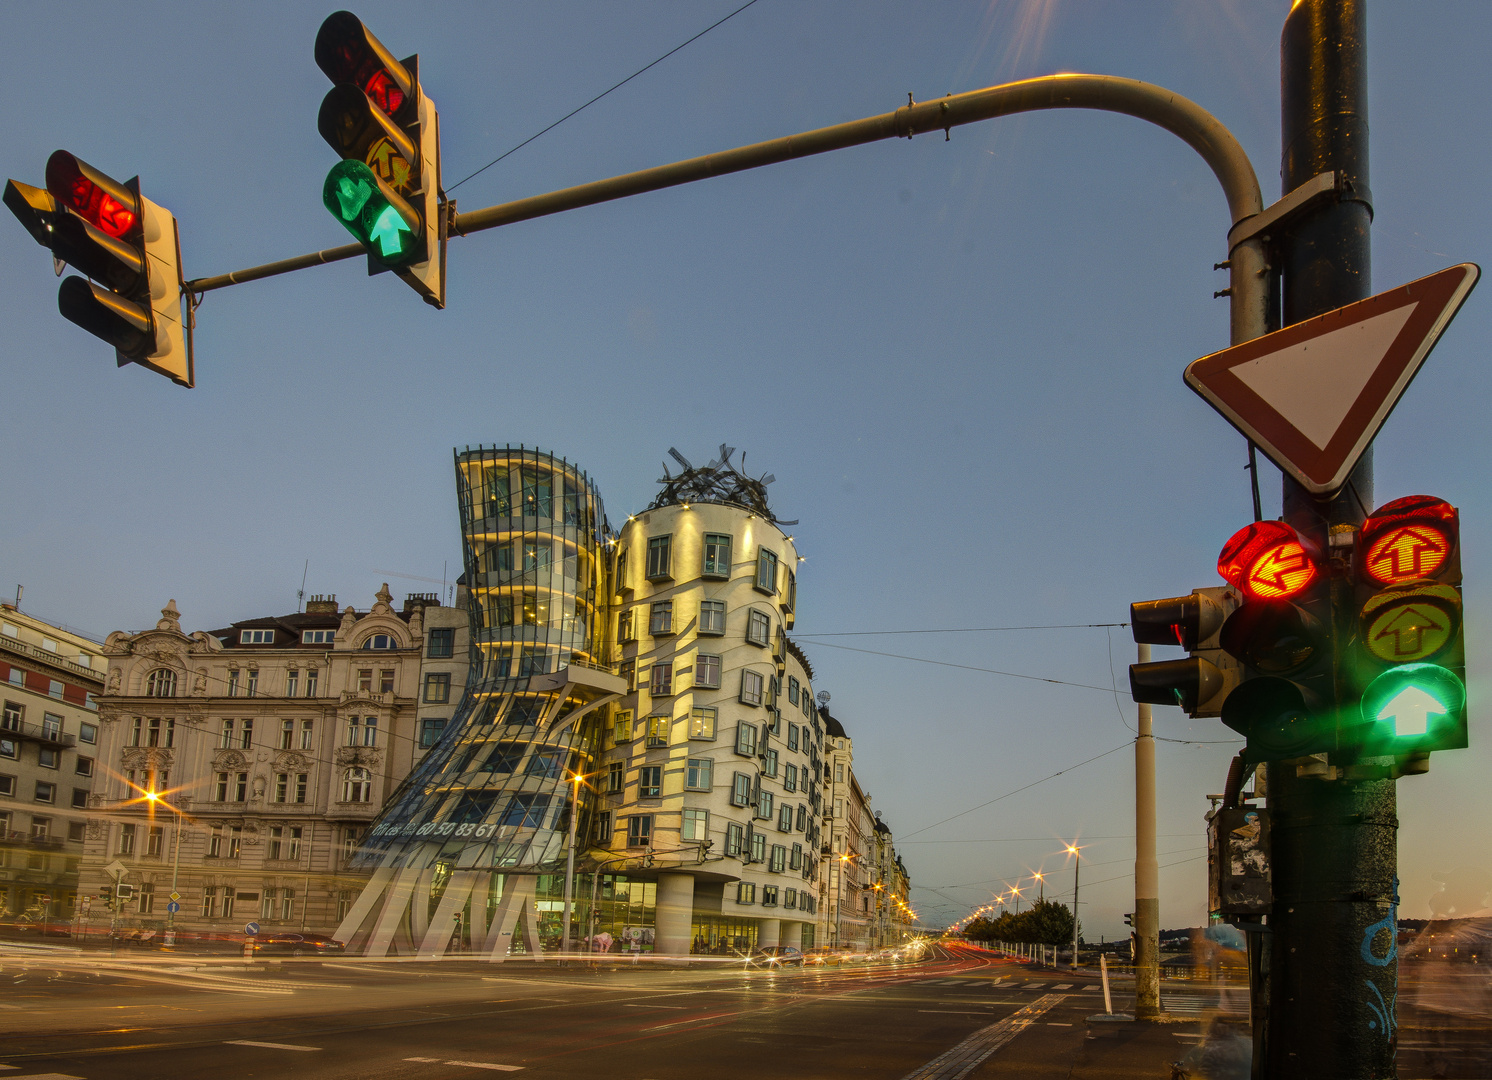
(302,594)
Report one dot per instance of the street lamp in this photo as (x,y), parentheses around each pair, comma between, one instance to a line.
(576,779)
(153,799)
(839,901)
(1076,853)
(1041,883)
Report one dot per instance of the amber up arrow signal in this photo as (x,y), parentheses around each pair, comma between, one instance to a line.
(1408,629)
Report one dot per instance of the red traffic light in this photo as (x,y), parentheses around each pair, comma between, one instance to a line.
(1408,539)
(1267,561)
(100,200)
(349,53)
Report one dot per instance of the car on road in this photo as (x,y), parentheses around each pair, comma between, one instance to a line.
(299,944)
(821,956)
(775,956)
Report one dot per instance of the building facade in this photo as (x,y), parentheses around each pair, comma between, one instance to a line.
(240,768)
(50,678)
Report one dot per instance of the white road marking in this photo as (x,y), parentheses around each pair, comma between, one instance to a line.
(1053,1023)
(626,1006)
(953,1012)
(487,1065)
(1063,986)
(44,1076)
(1033,986)
(267,1045)
(423,1059)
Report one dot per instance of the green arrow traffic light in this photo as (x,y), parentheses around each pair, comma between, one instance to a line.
(372,212)
(1415,708)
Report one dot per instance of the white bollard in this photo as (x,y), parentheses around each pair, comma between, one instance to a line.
(1103,969)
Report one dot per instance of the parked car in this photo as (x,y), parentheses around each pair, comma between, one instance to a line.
(775,956)
(299,944)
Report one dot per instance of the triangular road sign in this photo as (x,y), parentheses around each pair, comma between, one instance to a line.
(1312,396)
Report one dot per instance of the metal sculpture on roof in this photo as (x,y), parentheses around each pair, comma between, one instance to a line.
(717,482)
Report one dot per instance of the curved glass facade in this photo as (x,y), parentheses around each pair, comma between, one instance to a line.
(493,794)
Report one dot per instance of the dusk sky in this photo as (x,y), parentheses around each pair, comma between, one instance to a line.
(962,360)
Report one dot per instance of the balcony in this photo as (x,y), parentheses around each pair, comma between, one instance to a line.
(56,660)
(36,733)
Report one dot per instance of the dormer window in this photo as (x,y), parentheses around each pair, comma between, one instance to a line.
(317,637)
(256,637)
(380,641)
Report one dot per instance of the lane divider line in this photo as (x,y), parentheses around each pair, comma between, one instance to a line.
(268,1045)
(961,1060)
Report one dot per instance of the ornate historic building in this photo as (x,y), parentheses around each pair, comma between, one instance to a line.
(49,735)
(239,768)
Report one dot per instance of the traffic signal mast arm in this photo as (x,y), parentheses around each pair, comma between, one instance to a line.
(1192,124)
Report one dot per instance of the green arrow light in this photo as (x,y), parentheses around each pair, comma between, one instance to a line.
(1415,707)
(364,207)
(1410,710)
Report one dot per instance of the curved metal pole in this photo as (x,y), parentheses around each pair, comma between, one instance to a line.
(1194,125)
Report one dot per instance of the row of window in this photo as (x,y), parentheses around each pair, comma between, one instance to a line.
(801,899)
(716,564)
(328,637)
(45,791)
(535,495)
(41,828)
(46,756)
(10,630)
(710,622)
(58,690)
(702,723)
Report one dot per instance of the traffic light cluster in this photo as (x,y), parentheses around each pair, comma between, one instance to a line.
(130,251)
(386,189)
(1355,649)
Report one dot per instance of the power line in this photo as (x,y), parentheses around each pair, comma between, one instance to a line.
(601,95)
(965,667)
(1018,790)
(971,629)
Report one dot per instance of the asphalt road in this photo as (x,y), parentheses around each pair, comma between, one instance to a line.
(957,1013)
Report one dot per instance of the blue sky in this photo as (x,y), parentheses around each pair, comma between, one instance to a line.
(962,359)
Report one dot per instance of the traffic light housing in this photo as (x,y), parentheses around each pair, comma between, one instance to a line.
(1200,683)
(1407,665)
(126,893)
(130,250)
(386,191)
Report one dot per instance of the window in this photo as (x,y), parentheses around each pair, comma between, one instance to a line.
(734,839)
(233,682)
(628,672)
(284,842)
(155,841)
(751,687)
(789,898)
(351,837)
(741,789)
(791,600)
(785,819)
(256,637)
(307,730)
(362,731)
(88,733)
(650,782)
(10,720)
(766,572)
(282,787)
(49,758)
(616,777)
(246,735)
(702,722)
(621,728)
(224,842)
(790,778)
(126,840)
(658,557)
(240,786)
(778,862)
(640,830)
(802,817)
(660,617)
(386,681)
(839,808)
(792,736)
(277,904)
(695,825)
(300,787)
(292,682)
(227,901)
(430,730)
(603,827)
(658,731)
(137,726)
(707,672)
(712,616)
(795,860)
(311,683)
(317,637)
(83,766)
(764,805)
(745,893)
(380,641)
(700,774)
(769,763)
(792,690)
(746,735)
(46,792)
(839,772)
(758,628)
(160,732)
(662,679)
(624,630)
(357,786)
(287,734)
(438,687)
(7,784)
(758,846)
(9,748)
(442,643)
(210,902)
(251,688)
(717,555)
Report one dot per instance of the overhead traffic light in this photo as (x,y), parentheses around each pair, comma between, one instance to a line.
(1200,683)
(129,249)
(386,190)
(1408,663)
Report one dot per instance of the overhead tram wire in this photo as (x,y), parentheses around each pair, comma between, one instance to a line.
(601,95)
(968,630)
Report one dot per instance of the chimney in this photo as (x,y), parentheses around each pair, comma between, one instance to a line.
(322,604)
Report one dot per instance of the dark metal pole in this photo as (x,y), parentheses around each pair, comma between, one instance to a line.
(1330,1007)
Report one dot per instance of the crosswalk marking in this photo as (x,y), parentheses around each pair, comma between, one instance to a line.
(487,1065)
(1033,986)
(266,1045)
(1063,986)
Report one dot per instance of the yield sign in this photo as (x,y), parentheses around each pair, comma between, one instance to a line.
(1313,395)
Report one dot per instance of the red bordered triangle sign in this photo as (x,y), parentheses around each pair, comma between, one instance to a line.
(1313,395)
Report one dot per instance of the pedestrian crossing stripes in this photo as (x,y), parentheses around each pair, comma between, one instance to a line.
(963,1059)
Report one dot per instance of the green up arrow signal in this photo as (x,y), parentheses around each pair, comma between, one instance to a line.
(371,212)
(1409,711)
(1415,707)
